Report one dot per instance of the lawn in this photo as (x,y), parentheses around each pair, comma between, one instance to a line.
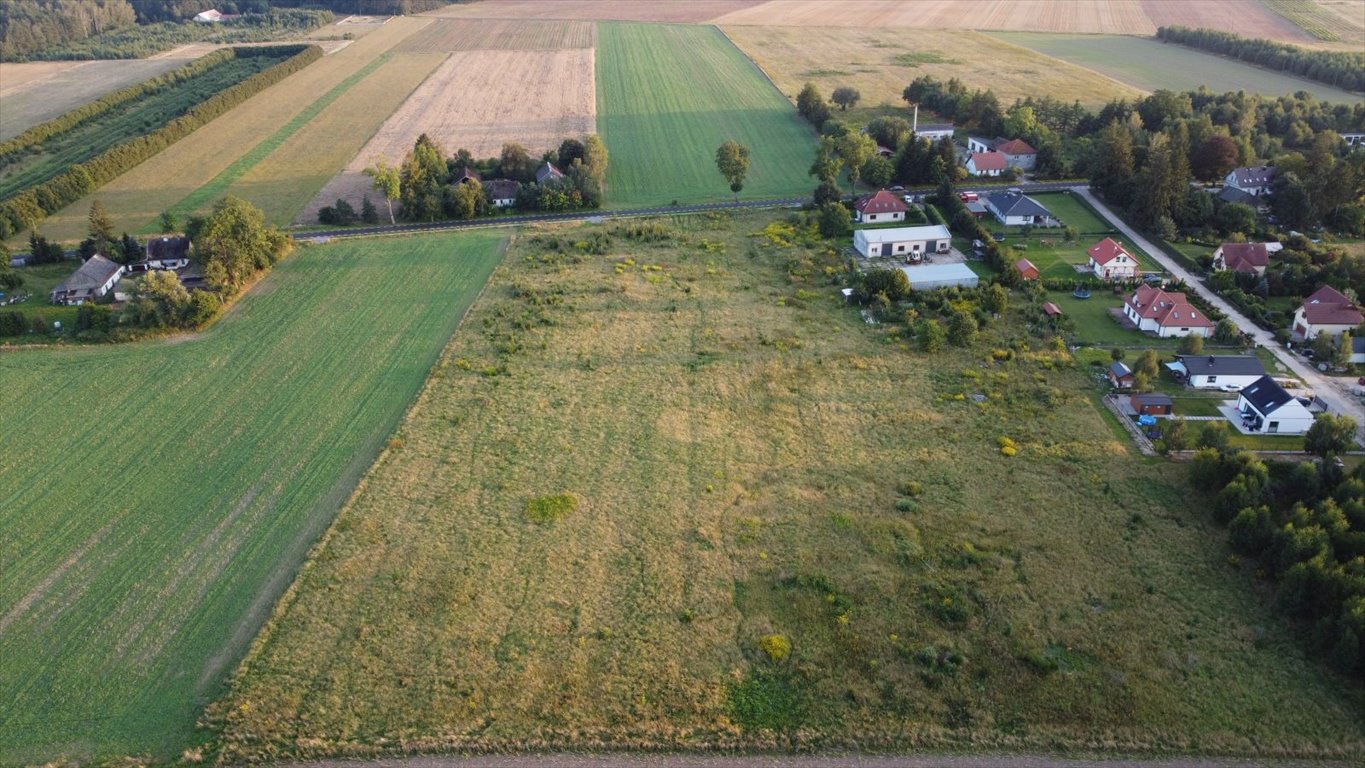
(38,284)
(636,472)
(669,96)
(167,491)
(1050,252)
(1149,64)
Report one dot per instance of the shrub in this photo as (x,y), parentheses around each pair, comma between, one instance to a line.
(777,647)
(548,509)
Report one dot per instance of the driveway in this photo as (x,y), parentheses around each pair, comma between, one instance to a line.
(1338,401)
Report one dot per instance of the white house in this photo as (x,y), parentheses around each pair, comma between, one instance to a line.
(1217,371)
(985,163)
(1353,138)
(933,131)
(1326,311)
(1016,152)
(1165,314)
(931,276)
(209,17)
(911,242)
(1251,258)
(1015,209)
(502,193)
(1266,408)
(96,277)
(880,207)
(1109,261)
(1253,180)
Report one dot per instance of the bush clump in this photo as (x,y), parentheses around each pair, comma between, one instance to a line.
(548,509)
(1007,447)
(778,647)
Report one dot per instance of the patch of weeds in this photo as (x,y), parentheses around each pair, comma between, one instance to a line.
(548,509)
(767,700)
(948,603)
(775,647)
(826,73)
(938,664)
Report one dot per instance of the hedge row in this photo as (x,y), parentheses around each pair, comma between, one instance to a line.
(27,208)
(1345,70)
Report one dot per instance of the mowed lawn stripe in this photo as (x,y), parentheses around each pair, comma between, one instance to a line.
(171,489)
(669,95)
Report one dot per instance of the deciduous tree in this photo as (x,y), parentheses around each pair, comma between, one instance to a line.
(846,96)
(732,159)
(1330,434)
(387,182)
(233,243)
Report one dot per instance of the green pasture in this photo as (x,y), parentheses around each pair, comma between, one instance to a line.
(1146,63)
(167,491)
(668,96)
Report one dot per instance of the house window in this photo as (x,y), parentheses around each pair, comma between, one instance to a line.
(1274,427)
(1213,379)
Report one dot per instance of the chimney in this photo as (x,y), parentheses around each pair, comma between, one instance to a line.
(914,127)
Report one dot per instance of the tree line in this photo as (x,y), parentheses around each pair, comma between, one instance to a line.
(26,209)
(1341,69)
(30,26)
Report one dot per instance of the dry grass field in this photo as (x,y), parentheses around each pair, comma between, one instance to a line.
(867,60)
(448,35)
(669,11)
(480,100)
(31,93)
(1338,24)
(1249,18)
(630,470)
(1112,16)
(138,197)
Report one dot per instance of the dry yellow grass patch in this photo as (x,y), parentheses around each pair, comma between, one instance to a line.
(866,59)
(1108,16)
(480,100)
(138,197)
(672,11)
(448,35)
(18,77)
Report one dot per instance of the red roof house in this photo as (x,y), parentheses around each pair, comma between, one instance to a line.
(1026,269)
(1165,314)
(986,163)
(1110,261)
(1326,311)
(879,207)
(1241,257)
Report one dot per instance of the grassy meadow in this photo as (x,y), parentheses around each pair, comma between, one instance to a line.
(664,489)
(1149,64)
(668,96)
(167,491)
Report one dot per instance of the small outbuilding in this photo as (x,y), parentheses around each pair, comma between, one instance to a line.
(547,174)
(1027,270)
(1120,375)
(931,276)
(1152,404)
(1051,310)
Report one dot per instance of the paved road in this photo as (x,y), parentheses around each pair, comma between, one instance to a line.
(1338,400)
(635,760)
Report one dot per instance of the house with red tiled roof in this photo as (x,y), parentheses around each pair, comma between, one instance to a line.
(1017,152)
(1249,258)
(1326,311)
(879,207)
(1165,314)
(1110,261)
(1027,270)
(986,163)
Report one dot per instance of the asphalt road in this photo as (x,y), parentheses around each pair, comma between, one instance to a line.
(636,760)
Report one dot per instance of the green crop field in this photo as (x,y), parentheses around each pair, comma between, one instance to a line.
(668,96)
(165,492)
(666,489)
(1149,64)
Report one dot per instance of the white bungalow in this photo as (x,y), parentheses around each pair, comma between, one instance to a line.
(1110,261)
(1266,408)
(910,242)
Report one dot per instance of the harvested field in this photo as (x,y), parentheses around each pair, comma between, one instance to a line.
(670,11)
(1149,64)
(449,35)
(195,50)
(480,100)
(867,60)
(1090,16)
(34,92)
(138,197)
(1248,18)
(1347,17)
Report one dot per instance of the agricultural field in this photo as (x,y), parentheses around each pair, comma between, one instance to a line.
(669,96)
(35,92)
(449,35)
(665,489)
(1148,64)
(1081,16)
(1342,21)
(881,62)
(664,11)
(1249,19)
(167,491)
(136,199)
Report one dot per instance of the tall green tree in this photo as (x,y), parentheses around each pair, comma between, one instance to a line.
(827,161)
(387,182)
(233,243)
(855,149)
(732,159)
(1330,434)
(846,96)
(811,105)
(101,227)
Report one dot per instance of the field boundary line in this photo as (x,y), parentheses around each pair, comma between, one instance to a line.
(751,59)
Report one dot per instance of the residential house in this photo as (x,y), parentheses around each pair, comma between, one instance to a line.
(1217,371)
(1165,314)
(167,252)
(985,163)
(468,176)
(1110,261)
(502,193)
(911,242)
(1253,180)
(1014,208)
(879,207)
(1248,258)
(1120,375)
(1267,408)
(931,276)
(210,16)
(1016,152)
(547,173)
(1235,195)
(1358,349)
(96,277)
(1152,404)
(1027,270)
(1326,311)
(934,132)
(1353,139)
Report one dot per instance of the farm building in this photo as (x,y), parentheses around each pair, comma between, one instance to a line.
(547,173)
(1326,311)
(881,206)
(911,242)
(1026,269)
(1165,314)
(931,276)
(502,193)
(1120,375)
(985,164)
(1110,261)
(1217,371)
(1251,258)
(1267,408)
(930,131)
(1254,180)
(1016,209)
(95,278)
(1152,404)
(168,252)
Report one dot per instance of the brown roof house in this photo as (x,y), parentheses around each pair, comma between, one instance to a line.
(879,207)
(1248,258)
(1111,261)
(1326,311)
(96,277)
(1165,314)
(986,164)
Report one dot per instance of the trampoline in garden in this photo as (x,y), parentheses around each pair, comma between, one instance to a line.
(1081,292)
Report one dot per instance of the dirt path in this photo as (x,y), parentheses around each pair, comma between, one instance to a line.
(576,760)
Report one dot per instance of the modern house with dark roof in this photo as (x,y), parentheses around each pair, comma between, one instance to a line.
(1016,209)
(547,173)
(168,252)
(986,164)
(502,193)
(1253,180)
(1248,258)
(1266,408)
(1217,371)
(96,277)
(1235,195)
(1326,311)
(879,207)
(1109,260)
(1165,314)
